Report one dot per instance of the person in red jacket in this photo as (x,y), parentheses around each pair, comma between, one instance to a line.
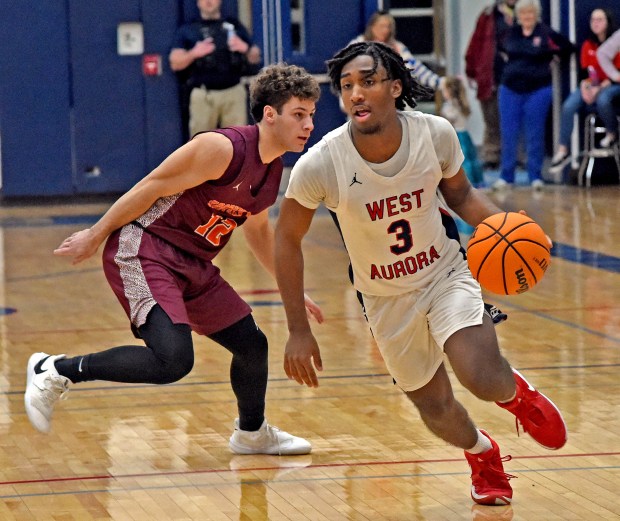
(594,92)
(483,65)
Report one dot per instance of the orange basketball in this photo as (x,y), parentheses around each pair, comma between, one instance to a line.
(508,253)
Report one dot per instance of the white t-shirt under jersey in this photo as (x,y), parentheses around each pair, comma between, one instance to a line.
(388,213)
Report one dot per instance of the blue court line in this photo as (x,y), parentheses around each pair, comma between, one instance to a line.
(590,258)
(501,302)
(52,220)
(117,490)
(52,275)
(215,382)
(121,387)
(137,404)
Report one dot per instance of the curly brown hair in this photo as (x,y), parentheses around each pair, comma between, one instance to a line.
(276,84)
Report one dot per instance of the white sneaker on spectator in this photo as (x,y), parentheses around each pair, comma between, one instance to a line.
(608,140)
(267,440)
(558,162)
(538,184)
(44,387)
(499,184)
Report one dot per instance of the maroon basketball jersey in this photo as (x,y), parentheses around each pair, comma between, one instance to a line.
(200,221)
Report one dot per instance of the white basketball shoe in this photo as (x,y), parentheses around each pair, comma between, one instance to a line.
(267,440)
(44,387)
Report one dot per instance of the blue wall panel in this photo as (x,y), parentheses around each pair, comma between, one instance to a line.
(163,131)
(108,100)
(34,98)
(329,27)
(75,116)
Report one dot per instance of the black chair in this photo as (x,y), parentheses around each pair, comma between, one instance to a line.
(592,135)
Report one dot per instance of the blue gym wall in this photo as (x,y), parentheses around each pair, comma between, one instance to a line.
(77,118)
(34,98)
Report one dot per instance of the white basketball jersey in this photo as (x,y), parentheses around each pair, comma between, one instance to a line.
(392,226)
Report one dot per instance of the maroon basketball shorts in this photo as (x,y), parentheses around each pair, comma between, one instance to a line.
(144,270)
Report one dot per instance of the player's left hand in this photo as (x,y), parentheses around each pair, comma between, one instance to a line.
(80,246)
(313,310)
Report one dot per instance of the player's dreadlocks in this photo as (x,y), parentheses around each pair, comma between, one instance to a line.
(390,59)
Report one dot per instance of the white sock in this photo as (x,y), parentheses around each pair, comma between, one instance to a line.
(482,445)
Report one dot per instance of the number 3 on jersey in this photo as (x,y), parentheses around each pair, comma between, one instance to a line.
(216,228)
(402,229)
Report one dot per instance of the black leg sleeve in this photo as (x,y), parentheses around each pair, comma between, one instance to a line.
(167,357)
(248,370)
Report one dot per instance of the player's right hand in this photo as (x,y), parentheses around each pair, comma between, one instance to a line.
(80,245)
(300,353)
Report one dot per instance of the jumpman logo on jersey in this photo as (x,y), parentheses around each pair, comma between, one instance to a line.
(236,187)
(355,180)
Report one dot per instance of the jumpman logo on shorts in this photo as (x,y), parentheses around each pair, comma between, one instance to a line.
(355,180)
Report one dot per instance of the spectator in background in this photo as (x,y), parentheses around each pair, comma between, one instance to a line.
(381,27)
(456,109)
(608,55)
(484,66)
(525,90)
(595,92)
(211,55)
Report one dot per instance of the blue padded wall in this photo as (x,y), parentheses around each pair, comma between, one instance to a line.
(34,98)
(75,116)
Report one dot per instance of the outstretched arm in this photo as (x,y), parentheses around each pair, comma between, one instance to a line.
(205,157)
(302,354)
(260,238)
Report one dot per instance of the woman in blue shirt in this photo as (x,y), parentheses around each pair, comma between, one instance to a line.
(525,90)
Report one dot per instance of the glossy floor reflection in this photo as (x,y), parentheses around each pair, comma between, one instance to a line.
(141,452)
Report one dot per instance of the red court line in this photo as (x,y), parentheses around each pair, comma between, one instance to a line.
(253,469)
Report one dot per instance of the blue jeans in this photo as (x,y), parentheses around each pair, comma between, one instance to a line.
(528,111)
(603,106)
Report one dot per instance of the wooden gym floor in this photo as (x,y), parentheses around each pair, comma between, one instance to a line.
(140,452)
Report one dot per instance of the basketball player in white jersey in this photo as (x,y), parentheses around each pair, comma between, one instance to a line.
(379,174)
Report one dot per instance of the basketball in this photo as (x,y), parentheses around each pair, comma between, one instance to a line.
(508,253)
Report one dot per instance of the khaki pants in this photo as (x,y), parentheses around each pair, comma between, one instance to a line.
(211,109)
(491,144)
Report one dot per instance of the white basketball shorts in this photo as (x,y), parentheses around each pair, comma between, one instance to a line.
(411,329)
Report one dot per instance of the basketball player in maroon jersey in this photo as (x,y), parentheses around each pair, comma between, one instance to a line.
(421,301)
(162,236)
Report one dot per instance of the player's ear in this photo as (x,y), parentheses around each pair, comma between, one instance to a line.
(269,113)
(397,88)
